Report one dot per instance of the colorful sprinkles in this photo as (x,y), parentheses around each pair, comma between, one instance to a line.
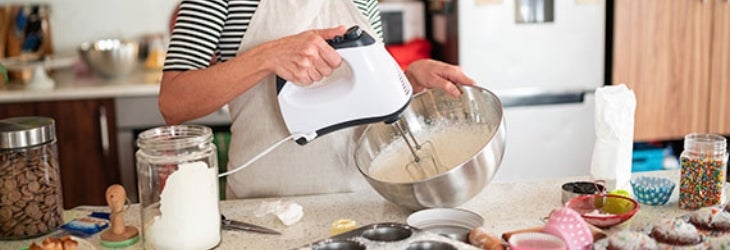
(702,181)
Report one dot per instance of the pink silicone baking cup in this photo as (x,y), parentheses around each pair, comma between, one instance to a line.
(569,226)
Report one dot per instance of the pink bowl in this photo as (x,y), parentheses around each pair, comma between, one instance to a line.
(604,210)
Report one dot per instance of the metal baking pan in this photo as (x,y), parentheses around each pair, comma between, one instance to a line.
(387,236)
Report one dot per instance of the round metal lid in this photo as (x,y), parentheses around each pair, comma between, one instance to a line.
(20,132)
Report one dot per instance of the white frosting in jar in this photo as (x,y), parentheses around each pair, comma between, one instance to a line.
(189,218)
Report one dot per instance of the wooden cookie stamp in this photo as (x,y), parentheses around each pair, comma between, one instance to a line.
(116,196)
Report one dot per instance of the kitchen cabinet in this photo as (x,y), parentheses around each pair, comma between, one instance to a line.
(675,56)
(87,147)
(720,72)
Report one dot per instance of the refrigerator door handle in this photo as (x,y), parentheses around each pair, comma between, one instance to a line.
(536,97)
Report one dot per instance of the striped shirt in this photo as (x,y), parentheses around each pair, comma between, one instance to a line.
(207,28)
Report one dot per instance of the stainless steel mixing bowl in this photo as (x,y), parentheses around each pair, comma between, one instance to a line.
(430,110)
(110,57)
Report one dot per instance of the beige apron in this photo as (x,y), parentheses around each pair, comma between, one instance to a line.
(326,164)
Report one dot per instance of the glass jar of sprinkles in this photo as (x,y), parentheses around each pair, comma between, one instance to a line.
(703,171)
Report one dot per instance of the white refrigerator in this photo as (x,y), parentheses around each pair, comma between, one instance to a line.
(545,73)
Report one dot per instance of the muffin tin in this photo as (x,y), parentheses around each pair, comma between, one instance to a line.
(387,236)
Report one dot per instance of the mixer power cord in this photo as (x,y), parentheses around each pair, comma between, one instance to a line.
(255,158)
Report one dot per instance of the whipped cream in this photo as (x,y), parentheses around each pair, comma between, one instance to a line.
(450,145)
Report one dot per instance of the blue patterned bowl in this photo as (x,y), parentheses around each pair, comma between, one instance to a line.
(652,190)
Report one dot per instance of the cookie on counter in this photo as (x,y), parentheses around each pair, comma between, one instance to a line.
(630,240)
(711,218)
(50,243)
(676,232)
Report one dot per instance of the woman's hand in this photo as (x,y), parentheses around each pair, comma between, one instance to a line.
(429,74)
(305,57)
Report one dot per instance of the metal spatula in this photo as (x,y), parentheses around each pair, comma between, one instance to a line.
(243,226)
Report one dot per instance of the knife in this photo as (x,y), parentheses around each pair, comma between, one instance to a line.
(227,224)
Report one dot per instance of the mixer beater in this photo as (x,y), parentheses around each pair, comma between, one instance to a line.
(425,162)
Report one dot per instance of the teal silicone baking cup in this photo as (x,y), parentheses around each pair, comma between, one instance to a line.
(651,190)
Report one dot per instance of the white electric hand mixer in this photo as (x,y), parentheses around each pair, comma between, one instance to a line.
(368,87)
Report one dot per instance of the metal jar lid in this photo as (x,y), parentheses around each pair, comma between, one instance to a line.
(20,132)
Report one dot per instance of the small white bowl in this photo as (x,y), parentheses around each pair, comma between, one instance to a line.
(451,222)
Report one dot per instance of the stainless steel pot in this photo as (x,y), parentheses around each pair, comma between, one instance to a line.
(428,111)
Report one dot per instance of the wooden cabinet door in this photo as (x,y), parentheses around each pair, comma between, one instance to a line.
(661,51)
(87,147)
(720,73)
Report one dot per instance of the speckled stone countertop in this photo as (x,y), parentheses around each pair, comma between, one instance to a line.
(505,206)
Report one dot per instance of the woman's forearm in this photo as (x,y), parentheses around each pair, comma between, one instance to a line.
(302,58)
(187,95)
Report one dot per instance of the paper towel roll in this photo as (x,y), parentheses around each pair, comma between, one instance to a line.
(612,152)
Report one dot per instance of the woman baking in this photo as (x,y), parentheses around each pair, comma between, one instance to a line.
(251,42)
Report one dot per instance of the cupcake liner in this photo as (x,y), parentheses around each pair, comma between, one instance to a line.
(569,226)
(652,190)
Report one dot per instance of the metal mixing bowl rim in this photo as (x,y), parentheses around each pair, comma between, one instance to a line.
(483,147)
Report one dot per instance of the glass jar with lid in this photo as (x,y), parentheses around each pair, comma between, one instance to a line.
(703,171)
(30,180)
(177,172)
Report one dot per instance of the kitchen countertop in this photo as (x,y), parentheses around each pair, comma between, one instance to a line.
(70,87)
(505,206)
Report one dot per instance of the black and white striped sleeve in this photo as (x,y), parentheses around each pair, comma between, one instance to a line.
(196,33)
(370,9)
